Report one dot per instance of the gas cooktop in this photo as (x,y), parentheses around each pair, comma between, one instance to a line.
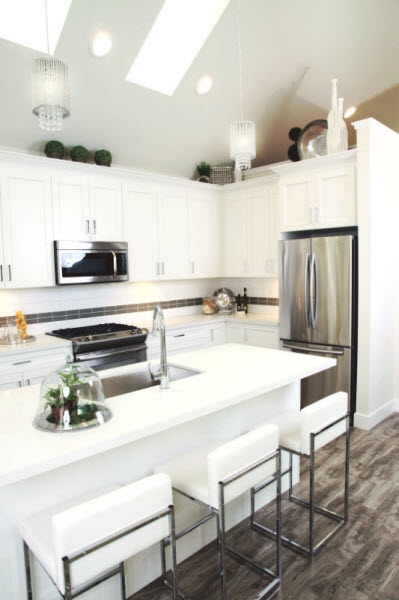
(102,331)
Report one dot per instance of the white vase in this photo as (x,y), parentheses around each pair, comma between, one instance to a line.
(343,127)
(333,120)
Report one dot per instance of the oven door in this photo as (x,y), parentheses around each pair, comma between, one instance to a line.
(100,360)
(90,262)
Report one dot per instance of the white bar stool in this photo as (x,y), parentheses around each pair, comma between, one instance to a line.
(302,434)
(215,474)
(82,546)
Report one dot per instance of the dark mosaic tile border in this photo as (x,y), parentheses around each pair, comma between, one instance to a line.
(85,313)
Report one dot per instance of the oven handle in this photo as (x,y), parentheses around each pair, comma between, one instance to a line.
(89,356)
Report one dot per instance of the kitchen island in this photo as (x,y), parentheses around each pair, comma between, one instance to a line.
(235,388)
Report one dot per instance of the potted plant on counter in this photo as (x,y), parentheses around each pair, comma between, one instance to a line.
(204,171)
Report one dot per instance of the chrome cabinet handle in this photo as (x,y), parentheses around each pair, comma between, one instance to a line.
(94,227)
(306,306)
(22,362)
(158,268)
(19,383)
(192,267)
(27,381)
(1,273)
(9,273)
(163,268)
(87,226)
(179,335)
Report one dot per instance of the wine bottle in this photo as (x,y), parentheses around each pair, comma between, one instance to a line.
(333,121)
(343,127)
(245,301)
(239,307)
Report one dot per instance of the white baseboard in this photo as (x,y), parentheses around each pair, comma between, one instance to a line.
(369,421)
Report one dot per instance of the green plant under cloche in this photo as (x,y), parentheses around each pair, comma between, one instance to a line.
(54,149)
(103,157)
(79,154)
(204,168)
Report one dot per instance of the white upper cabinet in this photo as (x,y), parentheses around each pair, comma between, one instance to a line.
(71,209)
(106,212)
(318,196)
(140,219)
(204,235)
(27,249)
(235,236)
(87,209)
(173,234)
(251,232)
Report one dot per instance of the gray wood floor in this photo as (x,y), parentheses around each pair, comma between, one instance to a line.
(360,563)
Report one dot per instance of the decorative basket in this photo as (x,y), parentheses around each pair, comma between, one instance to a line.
(222,175)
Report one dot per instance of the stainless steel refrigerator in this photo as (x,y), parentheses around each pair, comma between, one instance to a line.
(318,309)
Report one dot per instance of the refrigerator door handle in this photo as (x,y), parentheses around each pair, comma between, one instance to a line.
(306,301)
(312,298)
(316,293)
(313,350)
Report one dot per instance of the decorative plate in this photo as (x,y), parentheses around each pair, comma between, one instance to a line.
(224,300)
(313,139)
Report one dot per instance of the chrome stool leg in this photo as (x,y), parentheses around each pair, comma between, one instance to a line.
(28,572)
(123,581)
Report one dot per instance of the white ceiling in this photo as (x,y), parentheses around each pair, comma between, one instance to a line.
(291,51)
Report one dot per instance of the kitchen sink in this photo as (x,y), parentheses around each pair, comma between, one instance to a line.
(139,380)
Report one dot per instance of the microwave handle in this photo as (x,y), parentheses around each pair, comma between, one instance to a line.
(115,263)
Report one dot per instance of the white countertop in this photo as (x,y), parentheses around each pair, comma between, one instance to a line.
(42,342)
(254,318)
(230,374)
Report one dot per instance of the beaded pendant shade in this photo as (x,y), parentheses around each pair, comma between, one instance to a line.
(50,92)
(242,133)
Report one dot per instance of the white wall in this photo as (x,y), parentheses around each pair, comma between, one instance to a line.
(378,218)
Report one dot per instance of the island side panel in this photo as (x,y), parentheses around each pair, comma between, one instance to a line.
(121,466)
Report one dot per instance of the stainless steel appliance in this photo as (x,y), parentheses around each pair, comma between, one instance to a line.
(107,345)
(90,262)
(318,308)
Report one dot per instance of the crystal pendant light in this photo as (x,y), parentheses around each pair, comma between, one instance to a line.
(242,133)
(50,93)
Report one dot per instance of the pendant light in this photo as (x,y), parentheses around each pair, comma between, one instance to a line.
(50,92)
(242,133)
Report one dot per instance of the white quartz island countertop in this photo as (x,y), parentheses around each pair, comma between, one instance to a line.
(229,374)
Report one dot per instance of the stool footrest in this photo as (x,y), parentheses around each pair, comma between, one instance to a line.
(181,594)
(319,509)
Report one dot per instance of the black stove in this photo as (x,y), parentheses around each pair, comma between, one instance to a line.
(106,345)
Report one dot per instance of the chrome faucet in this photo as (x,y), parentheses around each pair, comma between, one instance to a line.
(158,327)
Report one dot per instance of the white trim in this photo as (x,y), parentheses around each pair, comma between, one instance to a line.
(320,162)
(371,420)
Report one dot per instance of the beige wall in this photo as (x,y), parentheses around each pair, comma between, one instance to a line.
(384,108)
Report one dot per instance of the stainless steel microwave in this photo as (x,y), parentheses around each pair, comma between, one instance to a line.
(90,262)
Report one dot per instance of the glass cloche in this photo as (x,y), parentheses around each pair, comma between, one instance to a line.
(71,398)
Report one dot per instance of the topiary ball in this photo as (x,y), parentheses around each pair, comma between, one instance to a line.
(54,149)
(103,158)
(79,154)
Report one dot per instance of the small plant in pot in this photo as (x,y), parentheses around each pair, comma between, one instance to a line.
(63,397)
(204,172)
(54,149)
(79,154)
(103,158)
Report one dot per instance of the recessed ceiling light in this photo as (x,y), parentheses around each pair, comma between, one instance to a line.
(24,22)
(349,112)
(101,44)
(204,84)
(176,37)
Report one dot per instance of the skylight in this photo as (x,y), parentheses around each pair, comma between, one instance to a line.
(24,22)
(175,39)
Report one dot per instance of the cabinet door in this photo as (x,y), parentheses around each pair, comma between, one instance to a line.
(106,212)
(71,215)
(235,247)
(336,205)
(235,334)
(267,337)
(173,235)
(273,232)
(2,263)
(204,236)
(296,203)
(258,233)
(140,220)
(27,229)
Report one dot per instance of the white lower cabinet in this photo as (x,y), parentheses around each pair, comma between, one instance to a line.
(29,368)
(266,336)
(185,339)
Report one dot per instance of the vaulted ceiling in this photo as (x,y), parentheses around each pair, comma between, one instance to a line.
(291,51)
